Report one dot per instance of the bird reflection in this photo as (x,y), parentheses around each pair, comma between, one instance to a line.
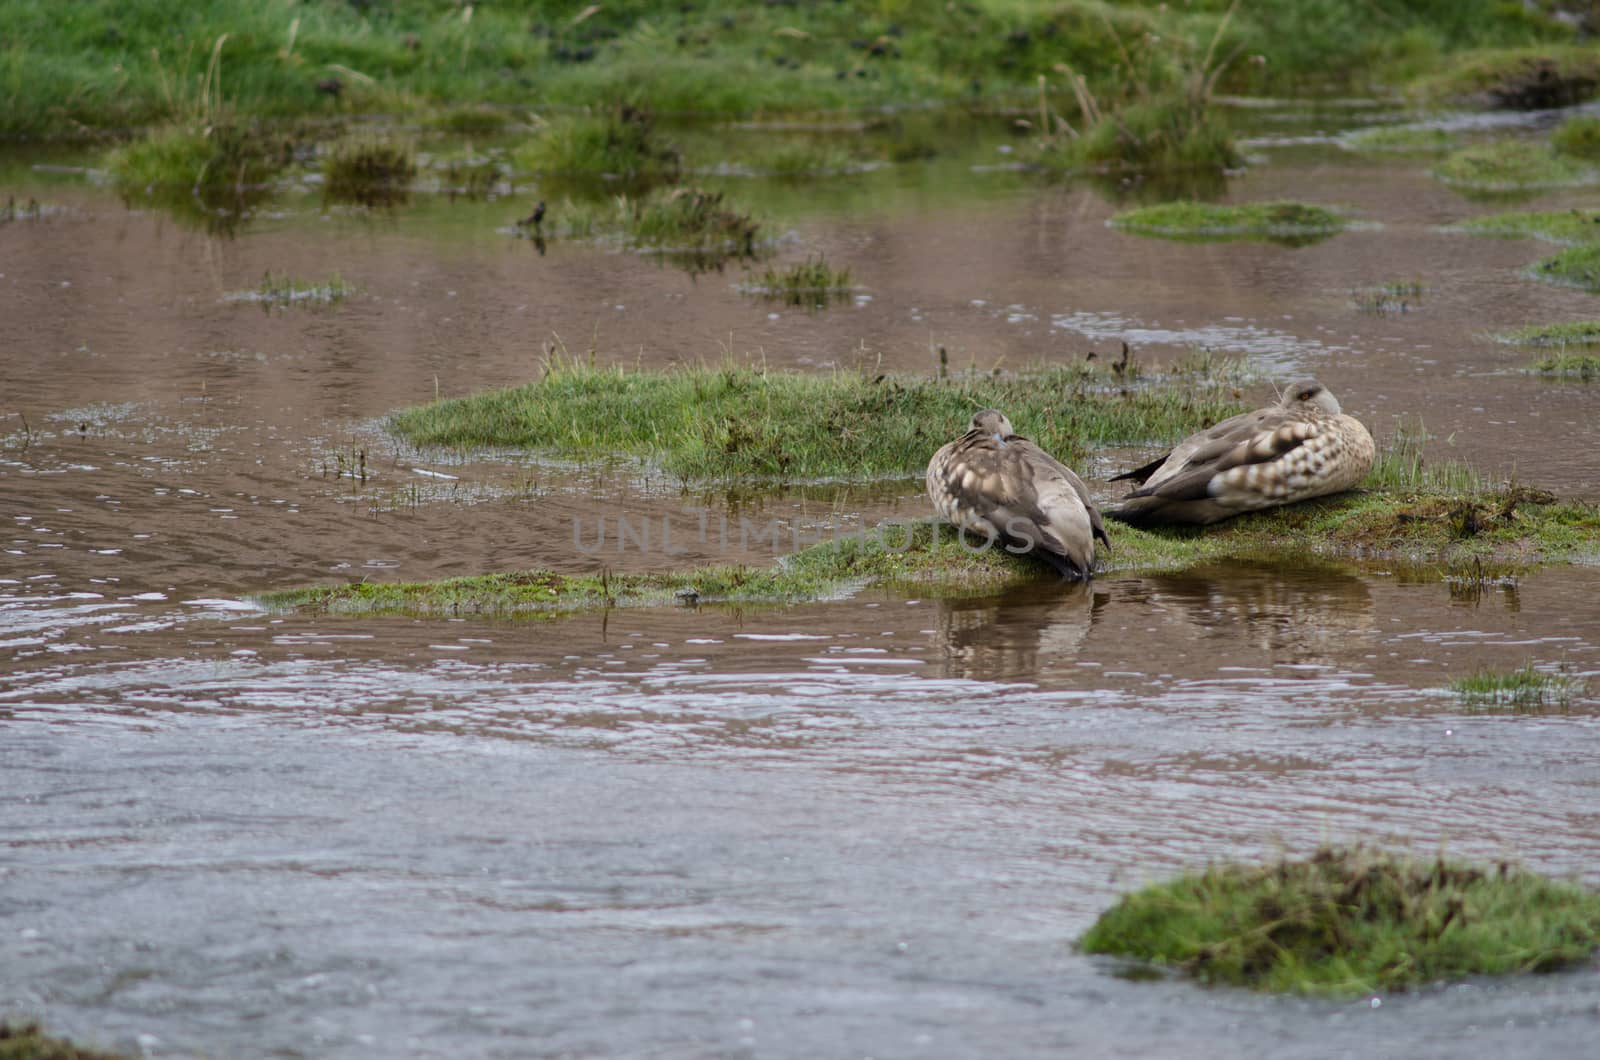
(1019,633)
(1293,613)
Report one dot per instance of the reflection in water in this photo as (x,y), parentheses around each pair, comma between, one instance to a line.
(1020,632)
(1307,613)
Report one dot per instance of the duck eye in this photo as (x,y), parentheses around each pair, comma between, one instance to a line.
(1307,395)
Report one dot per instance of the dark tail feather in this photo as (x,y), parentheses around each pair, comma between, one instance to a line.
(1139,474)
(1134,514)
(1063,565)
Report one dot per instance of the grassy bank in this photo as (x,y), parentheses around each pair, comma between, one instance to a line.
(97,65)
(1352,921)
(739,422)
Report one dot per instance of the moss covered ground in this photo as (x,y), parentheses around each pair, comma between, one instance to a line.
(1352,921)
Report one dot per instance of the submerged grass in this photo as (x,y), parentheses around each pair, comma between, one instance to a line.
(702,229)
(1400,140)
(1510,166)
(1574,267)
(1557,226)
(1352,921)
(1573,365)
(812,282)
(368,170)
(1288,223)
(741,422)
(1524,691)
(1391,296)
(281,289)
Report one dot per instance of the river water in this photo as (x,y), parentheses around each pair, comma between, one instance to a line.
(866,827)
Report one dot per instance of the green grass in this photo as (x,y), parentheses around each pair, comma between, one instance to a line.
(812,282)
(278,290)
(210,175)
(1537,77)
(368,170)
(1578,137)
(1155,135)
(1391,296)
(1524,691)
(1352,921)
(1572,365)
(620,143)
(1513,165)
(735,422)
(1400,140)
(1574,267)
(98,65)
(1557,226)
(1289,223)
(25,1041)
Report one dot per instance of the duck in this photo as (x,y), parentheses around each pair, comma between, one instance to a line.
(994,482)
(1301,446)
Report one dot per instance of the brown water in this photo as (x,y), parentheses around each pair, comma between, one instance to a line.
(869,827)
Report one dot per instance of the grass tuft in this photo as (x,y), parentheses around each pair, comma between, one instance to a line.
(1288,223)
(735,422)
(1349,921)
(812,282)
(1524,691)
(1402,467)
(1572,333)
(368,170)
(1574,267)
(621,143)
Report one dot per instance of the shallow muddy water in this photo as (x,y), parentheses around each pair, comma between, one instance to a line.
(866,827)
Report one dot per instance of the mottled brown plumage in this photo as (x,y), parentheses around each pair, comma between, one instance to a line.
(994,483)
(1301,446)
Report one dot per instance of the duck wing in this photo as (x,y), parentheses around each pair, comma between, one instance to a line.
(1271,440)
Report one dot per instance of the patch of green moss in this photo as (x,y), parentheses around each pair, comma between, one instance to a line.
(1574,267)
(1352,921)
(1558,226)
(1510,166)
(25,1041)
(1290,223)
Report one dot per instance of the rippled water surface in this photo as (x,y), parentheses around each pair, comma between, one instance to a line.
(866,827)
